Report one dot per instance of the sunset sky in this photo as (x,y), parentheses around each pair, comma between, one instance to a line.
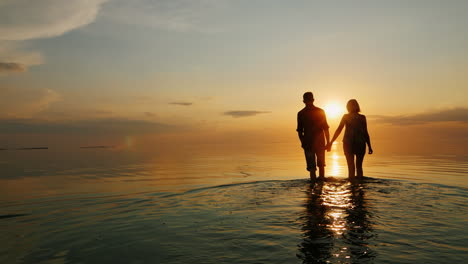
(224,67)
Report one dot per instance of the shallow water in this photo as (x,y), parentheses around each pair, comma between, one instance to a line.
(104,206)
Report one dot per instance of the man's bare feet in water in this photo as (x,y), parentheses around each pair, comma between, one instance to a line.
(313,177)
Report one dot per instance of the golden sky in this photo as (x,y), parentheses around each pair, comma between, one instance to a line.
(210,69)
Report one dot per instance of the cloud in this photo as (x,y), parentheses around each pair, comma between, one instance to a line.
(93,126)
(181,103)
(26,103)
(15,58)
(172,15)
(244,113)
(22,20)
(12,67)
(48,97)
(448,115)
(26,19)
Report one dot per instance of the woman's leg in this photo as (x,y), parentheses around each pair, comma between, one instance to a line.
(359,160)
(351,168)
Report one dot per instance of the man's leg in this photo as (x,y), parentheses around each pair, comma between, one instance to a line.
(321,163)
(311,166)
(313,177)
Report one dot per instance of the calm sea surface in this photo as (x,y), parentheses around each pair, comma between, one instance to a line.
(229,205)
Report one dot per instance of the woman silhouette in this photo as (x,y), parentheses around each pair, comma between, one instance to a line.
(355,138)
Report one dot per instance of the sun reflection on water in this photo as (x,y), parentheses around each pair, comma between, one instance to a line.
(335,162)
(336,224)
(337,199)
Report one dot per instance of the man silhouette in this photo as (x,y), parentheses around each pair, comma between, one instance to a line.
(312,128)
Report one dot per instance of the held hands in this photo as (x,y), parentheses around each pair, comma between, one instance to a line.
(328,146)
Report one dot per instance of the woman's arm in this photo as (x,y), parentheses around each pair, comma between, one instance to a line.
(366,134)
(337,132)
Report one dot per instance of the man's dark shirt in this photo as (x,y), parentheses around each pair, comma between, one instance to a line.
(311,122)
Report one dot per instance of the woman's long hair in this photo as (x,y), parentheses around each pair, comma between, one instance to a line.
(353,106)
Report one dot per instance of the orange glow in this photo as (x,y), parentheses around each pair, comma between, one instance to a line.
(337,197)
(334,110)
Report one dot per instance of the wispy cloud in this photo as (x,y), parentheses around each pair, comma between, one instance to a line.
(244,113)
(181,103)
(12,67)
(93,126)
(25,19)
(26,102)
(22,20)
(455,115)
(15,58)
(172,15)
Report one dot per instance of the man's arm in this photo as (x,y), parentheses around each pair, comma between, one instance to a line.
(326,128)
(301,135)
(327,135)
(300,129)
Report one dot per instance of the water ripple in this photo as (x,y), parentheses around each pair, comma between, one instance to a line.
(288,221)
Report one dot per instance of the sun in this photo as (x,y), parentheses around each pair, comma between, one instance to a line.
(334,110)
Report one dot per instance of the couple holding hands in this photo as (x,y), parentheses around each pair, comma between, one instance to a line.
(312,128)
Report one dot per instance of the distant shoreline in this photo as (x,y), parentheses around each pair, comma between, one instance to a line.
(95,147)
(34,148)
(45,148)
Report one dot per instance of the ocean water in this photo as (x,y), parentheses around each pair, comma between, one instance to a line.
(229,206)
